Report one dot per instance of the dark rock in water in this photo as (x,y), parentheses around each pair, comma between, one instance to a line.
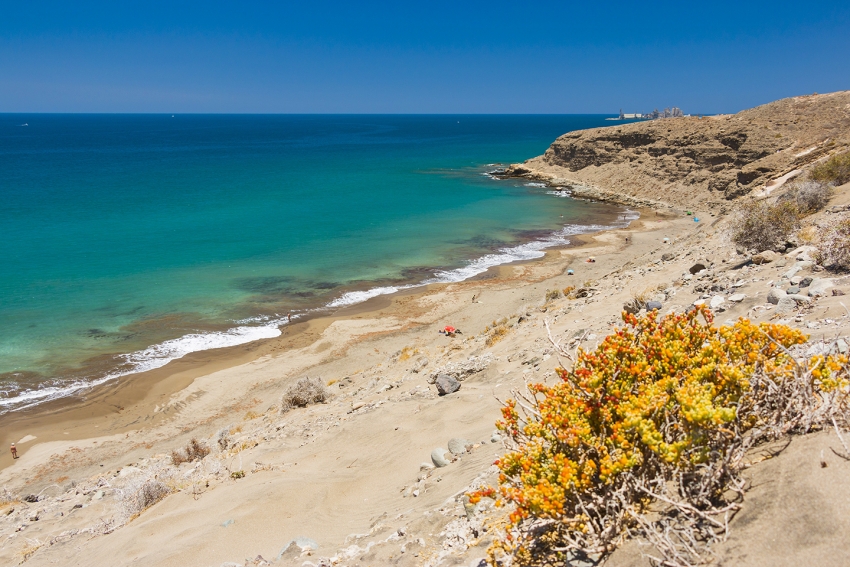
(650,305)
(446,384)
(697,268)
(792,290)
(805,282)
(667,256)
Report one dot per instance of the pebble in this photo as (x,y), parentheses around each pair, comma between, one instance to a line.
(652,305)
(717,301)
(841,345)
(495,438)
(438,457)
(424,467)
(737,297)
(805,282)
(792,290)
(791,273)
(800,298)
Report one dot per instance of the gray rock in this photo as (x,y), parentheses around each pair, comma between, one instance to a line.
(791,273)
(425,467)
(737,297)
(667,256)
(800,298)
(697,268)
(792,290)
(805,282)
(786,305)
(819,286)
(650,305)
(775,294)
(717,301)
(458,446)
(446,384)
(495,437)
(804,264)
(841,345)
(796,280)
(836,292)
(438,457)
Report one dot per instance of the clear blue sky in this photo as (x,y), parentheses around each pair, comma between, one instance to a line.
(417,57)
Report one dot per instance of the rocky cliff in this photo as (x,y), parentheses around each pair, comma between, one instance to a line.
(689,161)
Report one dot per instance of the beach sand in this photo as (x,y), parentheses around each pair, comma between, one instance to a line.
(346,474)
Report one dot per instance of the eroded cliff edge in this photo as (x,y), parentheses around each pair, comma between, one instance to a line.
(690,162)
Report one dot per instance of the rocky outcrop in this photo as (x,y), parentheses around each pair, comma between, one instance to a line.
(695,161)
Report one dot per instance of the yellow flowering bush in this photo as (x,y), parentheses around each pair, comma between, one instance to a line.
(659,400)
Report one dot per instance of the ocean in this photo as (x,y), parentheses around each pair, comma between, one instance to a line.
(131,240)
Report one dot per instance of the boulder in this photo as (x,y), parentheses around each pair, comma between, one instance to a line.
(819,286)
(775,294)
(765,257)
(438,457)
(446,384)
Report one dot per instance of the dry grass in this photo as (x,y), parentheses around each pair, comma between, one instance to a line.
(303,393)
(552,295)
(834,245)
(194,451)
(497,333)
(406,353)
(835,170)
(760,226)
(809,196)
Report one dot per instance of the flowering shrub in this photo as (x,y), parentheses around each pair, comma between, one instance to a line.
(660,402)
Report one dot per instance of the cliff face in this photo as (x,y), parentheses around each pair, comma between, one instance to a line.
(689,161)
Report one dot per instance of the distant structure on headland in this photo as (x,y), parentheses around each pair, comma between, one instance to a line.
(674,112)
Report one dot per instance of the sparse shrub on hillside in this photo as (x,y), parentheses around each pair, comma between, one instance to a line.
(194,451)
(646,436)
(835,170)
(137,497)
(809,196)
(553,294)
(760,226)
(834,245)
(303,393)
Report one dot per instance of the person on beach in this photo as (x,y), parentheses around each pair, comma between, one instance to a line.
(289,317)
(14,451)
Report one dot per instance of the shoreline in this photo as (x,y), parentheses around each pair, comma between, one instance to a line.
(347,296)
(130,402)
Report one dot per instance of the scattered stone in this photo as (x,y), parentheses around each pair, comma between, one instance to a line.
(446,384)
(792,290)
(819,286)
(837,292)
(226,523)
(805,264)
(800,298)
(765,257)
(667,256)
(841,345)
(737,297)
(805,282)
(458,446)
(699,303)
(791,273)
(425,467)
(797,279)
(495,437)
(438,457)
(786,305)
(717,301)
(697,268)
(653,305)
(296,547)
(460,370)
(421,363)
(775,294)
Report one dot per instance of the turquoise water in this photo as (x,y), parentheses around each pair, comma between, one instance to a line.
(130,240)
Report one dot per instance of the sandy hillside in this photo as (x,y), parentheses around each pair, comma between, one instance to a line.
(352,481)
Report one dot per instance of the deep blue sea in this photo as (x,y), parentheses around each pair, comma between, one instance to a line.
(131,240)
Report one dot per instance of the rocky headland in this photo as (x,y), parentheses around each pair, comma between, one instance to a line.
(696,162)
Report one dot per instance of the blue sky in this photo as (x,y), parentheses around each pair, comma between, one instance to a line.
(417,57)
